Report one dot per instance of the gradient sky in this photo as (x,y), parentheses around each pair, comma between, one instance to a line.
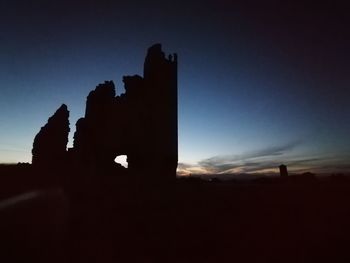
(260,83)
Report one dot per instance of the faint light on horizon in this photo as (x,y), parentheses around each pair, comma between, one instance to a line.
(188,171)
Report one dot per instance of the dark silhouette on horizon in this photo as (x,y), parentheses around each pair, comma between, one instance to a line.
(140,123)
(283,170)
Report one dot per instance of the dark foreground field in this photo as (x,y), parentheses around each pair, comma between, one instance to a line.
(111,219)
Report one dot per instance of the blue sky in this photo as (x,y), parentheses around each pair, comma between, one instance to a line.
(258,84)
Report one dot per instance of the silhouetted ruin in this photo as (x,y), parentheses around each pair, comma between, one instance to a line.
(140,123)
(50,144)
(283,170)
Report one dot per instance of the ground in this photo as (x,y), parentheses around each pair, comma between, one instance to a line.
(117,219)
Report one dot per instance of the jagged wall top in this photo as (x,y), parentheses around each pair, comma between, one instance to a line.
(156,57)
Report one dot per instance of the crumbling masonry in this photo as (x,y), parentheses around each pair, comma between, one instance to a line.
(140,123)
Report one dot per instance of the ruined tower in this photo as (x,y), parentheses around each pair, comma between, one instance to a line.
(283,170)
(140,123)
(159,148)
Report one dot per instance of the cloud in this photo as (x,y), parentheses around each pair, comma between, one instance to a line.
(249,162)
(271,151)
(323,165)
(266,161)
(184,169)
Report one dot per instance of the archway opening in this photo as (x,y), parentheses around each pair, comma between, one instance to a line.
(122,160)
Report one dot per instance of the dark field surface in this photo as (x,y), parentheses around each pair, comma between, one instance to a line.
(118,219)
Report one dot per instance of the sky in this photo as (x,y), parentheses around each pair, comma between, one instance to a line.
(260,83)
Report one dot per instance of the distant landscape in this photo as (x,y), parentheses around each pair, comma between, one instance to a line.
(62,217)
